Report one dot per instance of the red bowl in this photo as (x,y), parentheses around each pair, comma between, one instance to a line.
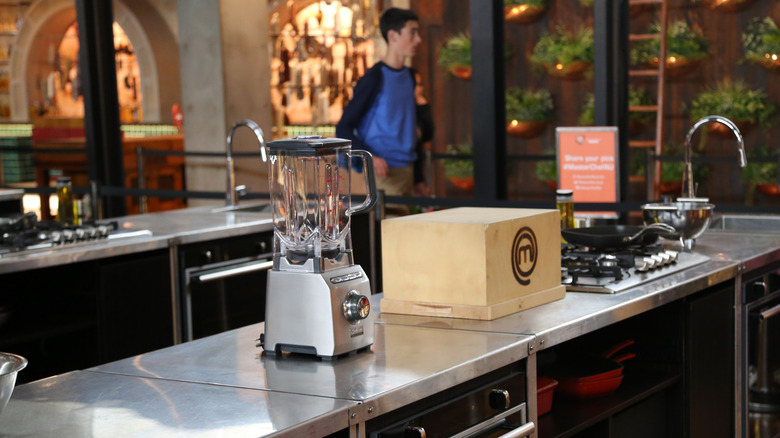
(585,390)
(545,388)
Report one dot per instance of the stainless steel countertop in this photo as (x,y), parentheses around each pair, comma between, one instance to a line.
(392,374)
(93,404)
(176,227)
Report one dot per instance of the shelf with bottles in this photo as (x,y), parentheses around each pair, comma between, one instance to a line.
(317,55)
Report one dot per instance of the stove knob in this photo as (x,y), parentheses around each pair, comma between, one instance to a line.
(68,235)
(355,306)
(81,234)
(90,232)
(673,255)
(56,236)
(414,432)
(659,261)
(102,231)
(499,399)
(651,262)
(641,264)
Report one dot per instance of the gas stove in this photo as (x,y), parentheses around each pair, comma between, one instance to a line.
(23,233)
(598,271)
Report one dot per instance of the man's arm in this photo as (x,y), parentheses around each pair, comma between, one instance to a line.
(363,97)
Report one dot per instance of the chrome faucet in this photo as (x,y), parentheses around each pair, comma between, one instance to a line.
(688,190)
(231,194)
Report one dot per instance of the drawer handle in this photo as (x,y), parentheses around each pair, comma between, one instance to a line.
(768,313)
(238,270)
(498,420)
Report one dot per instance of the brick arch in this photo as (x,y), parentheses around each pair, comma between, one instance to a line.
(45,20)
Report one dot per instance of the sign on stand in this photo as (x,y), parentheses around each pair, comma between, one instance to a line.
(588,164)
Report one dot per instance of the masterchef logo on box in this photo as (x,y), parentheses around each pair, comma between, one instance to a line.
(524,254)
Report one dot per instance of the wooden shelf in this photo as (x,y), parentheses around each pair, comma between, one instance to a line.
(569,417)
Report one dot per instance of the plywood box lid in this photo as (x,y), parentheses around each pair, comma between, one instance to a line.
(473,215)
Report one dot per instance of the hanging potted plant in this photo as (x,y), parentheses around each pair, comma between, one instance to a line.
(546,171)
(726,5)
(761,176)
(685,49)
(761,40)
(563,54)
(527,111)
(460,172)
(455,56)
(523,11)
(636,119)
(735,101)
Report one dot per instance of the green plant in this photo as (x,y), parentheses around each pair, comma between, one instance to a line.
(537,3)
(547,170)
(636,97)
(525,105)
(760,172)
(456,52)
(459,168)
(734,100)
(761,40)
(562,48)
(682,43)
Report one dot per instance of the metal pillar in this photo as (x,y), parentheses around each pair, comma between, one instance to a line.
(101,105)
(610,79)
(487,97)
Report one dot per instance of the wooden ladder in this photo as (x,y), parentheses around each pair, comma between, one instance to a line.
(658,108)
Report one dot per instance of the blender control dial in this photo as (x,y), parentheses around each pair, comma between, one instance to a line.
(355,306)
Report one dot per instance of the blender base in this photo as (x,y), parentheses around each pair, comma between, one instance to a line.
(305,313)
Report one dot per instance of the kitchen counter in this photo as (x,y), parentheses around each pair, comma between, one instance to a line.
(412,356)
(165,229)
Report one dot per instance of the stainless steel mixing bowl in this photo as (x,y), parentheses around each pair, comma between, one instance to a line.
(10,364)
(689,219)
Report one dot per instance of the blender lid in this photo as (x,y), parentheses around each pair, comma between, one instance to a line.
(307,145)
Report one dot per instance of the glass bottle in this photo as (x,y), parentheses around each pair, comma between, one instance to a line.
(564,200)
(64,200)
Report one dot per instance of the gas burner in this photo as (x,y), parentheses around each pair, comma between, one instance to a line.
(27,234)
(610,271)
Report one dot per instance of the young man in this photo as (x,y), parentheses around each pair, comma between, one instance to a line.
(381,118)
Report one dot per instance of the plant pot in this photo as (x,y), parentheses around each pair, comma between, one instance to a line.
(670,187)
(525,129)
(523,13)
(728,5)
(461,72)
(551,184)
(574,71)
(677,67)
(724,131)
(464,183)
(769,63)
(769,189)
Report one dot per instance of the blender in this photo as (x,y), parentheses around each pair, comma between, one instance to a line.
(317,297)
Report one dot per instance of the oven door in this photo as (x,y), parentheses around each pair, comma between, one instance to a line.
(481,408)
(226,287)
(761,359)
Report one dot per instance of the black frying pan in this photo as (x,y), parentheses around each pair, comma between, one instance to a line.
(615,236)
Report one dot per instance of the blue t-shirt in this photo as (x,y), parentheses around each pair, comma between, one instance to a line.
(389,128)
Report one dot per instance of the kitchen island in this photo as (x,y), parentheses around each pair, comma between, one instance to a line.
(416,358)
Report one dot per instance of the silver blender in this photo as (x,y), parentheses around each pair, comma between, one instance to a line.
(317,297)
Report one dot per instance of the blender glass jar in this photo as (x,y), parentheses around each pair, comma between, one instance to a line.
(309,183)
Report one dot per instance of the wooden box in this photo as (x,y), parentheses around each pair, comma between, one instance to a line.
(475,263)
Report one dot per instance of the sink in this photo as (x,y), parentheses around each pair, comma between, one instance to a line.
(249,208)
(747,223)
